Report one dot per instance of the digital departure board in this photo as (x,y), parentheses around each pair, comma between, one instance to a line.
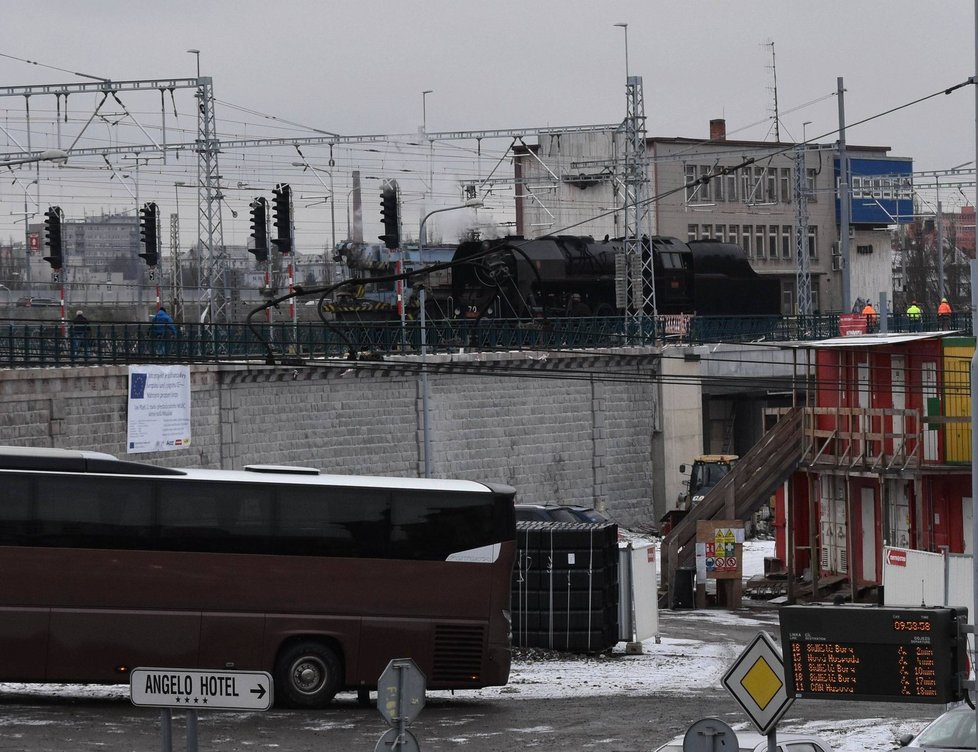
(874,653)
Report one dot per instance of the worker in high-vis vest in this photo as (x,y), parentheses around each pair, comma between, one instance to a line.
(944,314)
(871,320)
(914,315)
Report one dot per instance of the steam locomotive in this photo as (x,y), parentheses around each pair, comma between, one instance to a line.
(557,275)
(569,275)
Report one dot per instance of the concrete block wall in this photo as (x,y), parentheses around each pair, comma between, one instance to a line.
(553,429)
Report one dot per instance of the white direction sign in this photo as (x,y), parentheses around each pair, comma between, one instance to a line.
(200,690)
(756,681)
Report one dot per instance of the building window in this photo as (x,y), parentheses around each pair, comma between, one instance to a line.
(787,300)
(747,239)
(771,174)
(813,241)
(720,232)
(759,241)
(731,189)
(772,241)
(692,232)
(760,186)
(810,175)
(787,236)
(706,193)
(691,188)
(718,185)
(786,190)
(706,232)
(733,234)
(747,186)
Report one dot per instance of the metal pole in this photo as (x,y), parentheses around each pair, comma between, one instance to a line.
(332,227)
(166,730)
(843,198)
(940,248)
(27,249)
(425,409)
(974,443)
(974,413)
(191,731)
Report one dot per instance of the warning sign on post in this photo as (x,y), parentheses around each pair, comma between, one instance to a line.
(719,549)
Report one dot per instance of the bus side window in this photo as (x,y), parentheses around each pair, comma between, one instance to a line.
(246,514)
(321,521)
(430,526)
(15,507)
(87,513)
(214,517)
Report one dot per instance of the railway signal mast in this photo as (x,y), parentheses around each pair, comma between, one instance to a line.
(284,235)
(259,233)
(391,216)
(54,238)
(149,238)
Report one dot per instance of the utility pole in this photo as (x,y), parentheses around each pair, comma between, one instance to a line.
(844,199)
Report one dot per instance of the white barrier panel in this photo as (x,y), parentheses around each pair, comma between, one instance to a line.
(921,578)
(960,579)
(912,578)
(638,601)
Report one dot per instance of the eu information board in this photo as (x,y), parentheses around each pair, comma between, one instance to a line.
(874,653)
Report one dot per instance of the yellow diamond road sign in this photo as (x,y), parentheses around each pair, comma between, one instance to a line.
(756,681)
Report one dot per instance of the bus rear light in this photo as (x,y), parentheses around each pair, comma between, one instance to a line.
(122,669)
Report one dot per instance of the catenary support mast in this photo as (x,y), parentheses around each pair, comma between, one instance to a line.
(635,275)
(803,276)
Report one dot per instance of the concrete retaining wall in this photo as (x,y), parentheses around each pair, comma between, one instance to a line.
(555,426)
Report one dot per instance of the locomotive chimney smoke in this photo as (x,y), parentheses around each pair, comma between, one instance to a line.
(718,130)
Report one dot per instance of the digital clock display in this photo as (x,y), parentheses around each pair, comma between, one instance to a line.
(911,625)
(874,653)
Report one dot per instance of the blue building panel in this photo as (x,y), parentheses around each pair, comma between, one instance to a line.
(881,190)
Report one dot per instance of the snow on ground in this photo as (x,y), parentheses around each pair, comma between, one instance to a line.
(671,666)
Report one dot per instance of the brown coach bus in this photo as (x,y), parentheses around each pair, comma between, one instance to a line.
(321,580)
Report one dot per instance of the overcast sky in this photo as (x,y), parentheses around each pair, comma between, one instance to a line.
(361,67)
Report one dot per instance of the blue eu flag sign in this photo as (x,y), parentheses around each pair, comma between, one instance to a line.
(137,386)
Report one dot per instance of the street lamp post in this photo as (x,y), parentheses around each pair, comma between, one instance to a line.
(625,27)
(474,203)
(429,188)
(197,54)
(29,276)
(424,111)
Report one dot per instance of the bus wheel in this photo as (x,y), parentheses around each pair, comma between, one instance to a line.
(307,675)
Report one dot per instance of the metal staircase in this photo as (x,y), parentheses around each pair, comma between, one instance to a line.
(740,493)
